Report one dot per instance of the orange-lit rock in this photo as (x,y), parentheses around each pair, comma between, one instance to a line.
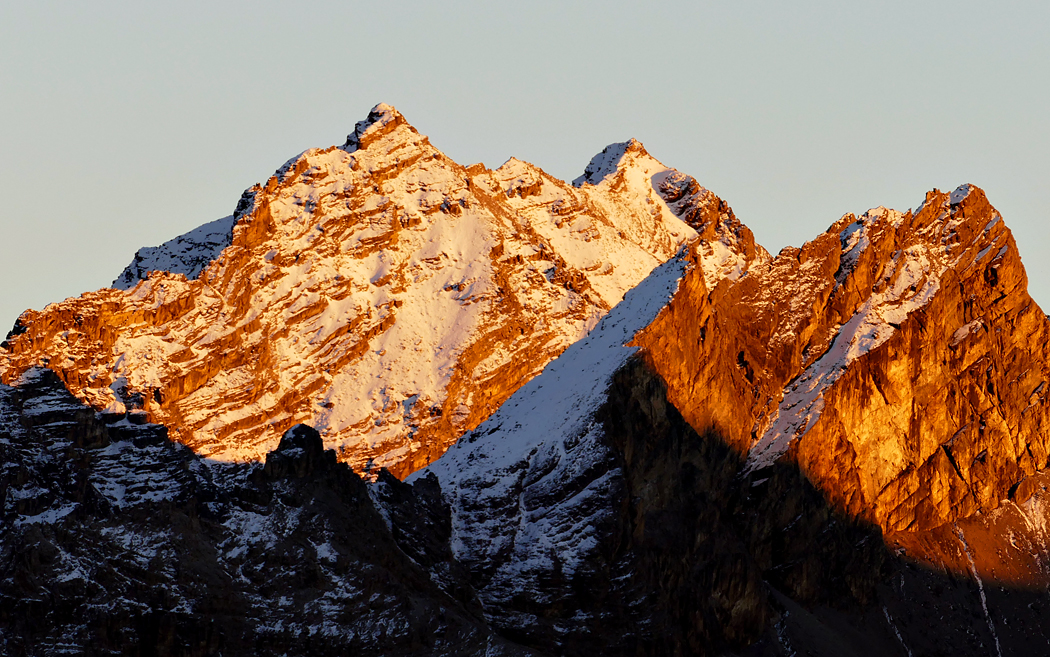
(377,291)
(897,359)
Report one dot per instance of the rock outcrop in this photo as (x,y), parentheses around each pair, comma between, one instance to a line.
(897,359)
(378,291)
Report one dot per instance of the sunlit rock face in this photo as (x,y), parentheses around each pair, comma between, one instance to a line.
(377,291)
(897,359)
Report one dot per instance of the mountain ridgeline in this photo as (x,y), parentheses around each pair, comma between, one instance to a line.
(393,405)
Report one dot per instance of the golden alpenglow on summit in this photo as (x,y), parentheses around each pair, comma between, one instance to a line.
(377,290)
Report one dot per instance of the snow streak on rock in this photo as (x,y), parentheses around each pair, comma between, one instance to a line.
(910,280)
(605,164)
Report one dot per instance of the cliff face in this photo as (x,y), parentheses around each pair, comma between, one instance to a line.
(897,359)
(377,291)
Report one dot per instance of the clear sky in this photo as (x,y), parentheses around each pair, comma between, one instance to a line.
(125,124)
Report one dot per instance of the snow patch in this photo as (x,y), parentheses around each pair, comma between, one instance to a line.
(964,331)
(959,194)
(604,164)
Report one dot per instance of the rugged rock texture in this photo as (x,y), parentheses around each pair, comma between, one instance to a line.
(643,537)
(1009,545)
(115,540)
(376,290)
(897,359)
(187,254)
(841,450)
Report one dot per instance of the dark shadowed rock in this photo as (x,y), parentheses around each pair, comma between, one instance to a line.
(300,453)
(115,540)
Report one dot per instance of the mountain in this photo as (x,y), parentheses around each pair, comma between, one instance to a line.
(377,291)
(693,448)
(115,540)
(897,359)
(839,450)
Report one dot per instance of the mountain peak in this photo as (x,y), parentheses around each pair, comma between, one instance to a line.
(377,291)
(381,120)
(613,158)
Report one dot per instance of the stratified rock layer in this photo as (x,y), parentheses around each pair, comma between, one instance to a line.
(377,291)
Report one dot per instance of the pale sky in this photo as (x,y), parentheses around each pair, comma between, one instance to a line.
(123,125)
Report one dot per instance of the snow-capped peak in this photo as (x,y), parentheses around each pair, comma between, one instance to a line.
(609,161)
(960,194)
(376,290)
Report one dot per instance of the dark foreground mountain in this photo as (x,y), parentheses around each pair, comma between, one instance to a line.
(117,541)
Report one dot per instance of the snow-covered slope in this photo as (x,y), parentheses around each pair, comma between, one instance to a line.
(545,433)
(376,290)
(535,488)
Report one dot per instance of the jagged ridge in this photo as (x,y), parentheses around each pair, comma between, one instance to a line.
(897,358)
(378,291)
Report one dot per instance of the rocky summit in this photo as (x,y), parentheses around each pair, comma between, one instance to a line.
(376,290)
(397,406)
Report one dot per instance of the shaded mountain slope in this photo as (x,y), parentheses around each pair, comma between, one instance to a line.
(115,540)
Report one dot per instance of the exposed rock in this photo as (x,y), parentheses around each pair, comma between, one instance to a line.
(897,358)
(644,537)
(584,492)
(377,291)
(299,454)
